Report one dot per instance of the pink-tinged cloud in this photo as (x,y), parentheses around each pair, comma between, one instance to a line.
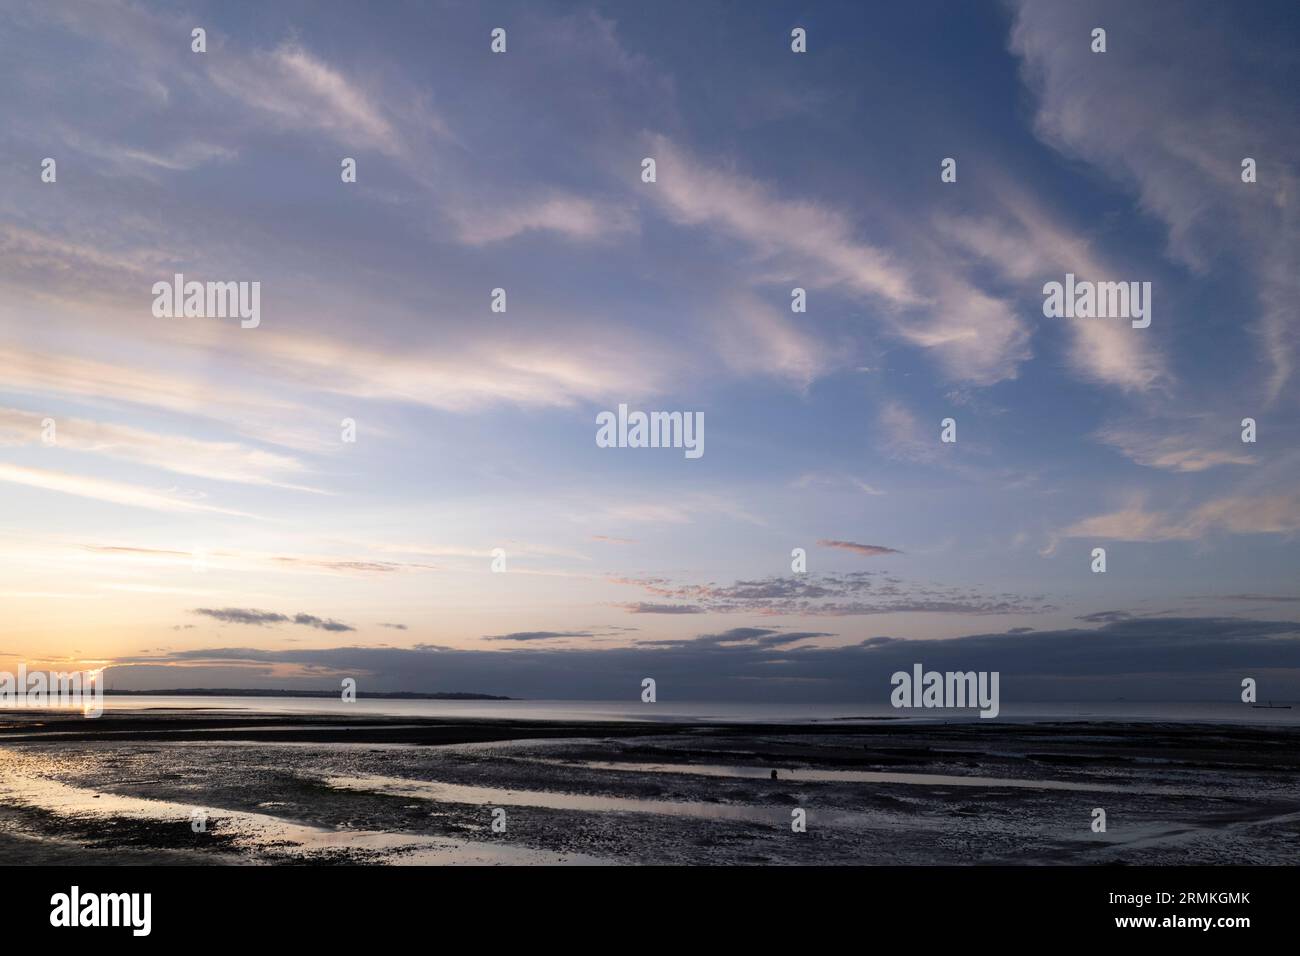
(870,550)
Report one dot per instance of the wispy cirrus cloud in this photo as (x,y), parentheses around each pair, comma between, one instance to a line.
(975,335)
(1169,448)
(1241,514)
(217,460)
(902,436)
(1025,243)
(819,238)
(1180,144)
(301,89)
(812,479)
(136,384)
(145,162)
(109,491)
(363,565)
(550,367)
(577,218)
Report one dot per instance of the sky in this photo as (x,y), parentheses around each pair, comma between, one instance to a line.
(195,517)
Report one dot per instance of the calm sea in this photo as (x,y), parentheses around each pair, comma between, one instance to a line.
(596,710)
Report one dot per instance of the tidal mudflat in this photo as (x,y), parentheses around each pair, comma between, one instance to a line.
(214,788)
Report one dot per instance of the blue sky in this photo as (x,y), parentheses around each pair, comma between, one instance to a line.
(198,486)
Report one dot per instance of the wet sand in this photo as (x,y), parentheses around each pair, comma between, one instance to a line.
(272,789)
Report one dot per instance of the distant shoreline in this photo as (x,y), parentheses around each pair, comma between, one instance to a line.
(245,692)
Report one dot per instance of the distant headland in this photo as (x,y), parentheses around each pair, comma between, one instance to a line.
(254,692)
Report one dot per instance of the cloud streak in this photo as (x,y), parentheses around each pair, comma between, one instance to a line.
(867,550)
(256,618)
